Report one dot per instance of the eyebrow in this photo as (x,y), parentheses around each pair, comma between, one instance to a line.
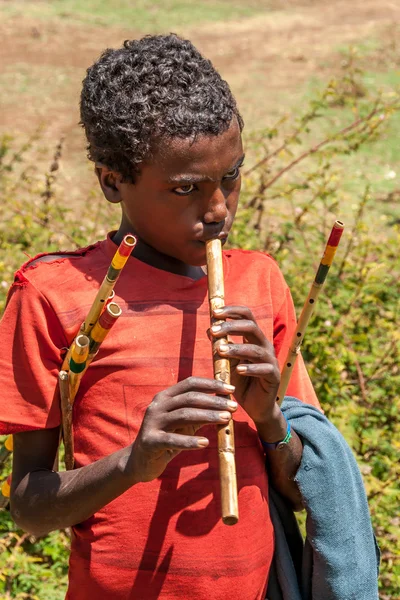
(188,178)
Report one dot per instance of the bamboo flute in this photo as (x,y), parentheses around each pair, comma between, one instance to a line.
(77,363)
(69,382)
(66,412)
(226,444)
(83,350)
(117,264)
(308,308)
(102,328)
(106,288)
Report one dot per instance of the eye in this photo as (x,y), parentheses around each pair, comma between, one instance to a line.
(184,190)
(234,174)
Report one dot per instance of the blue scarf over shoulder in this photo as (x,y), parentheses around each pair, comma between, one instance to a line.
(339,559)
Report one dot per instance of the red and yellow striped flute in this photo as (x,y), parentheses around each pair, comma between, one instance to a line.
(106,290)
(102,316)
(308,308)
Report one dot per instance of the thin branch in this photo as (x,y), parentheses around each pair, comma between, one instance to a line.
(305,119)
(54,228)
(318,146)
(361,381)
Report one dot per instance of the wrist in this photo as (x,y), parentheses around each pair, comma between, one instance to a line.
(274,429)
(127,466)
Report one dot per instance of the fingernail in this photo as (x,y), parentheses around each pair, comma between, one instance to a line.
(229,388)
(232,403)
(218,311)
(241,368)
(223,348)
(202,442)
(216,328)
(225,416)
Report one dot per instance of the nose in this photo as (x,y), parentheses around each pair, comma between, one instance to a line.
(216,208)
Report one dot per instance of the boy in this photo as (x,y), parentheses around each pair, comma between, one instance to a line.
(165,134)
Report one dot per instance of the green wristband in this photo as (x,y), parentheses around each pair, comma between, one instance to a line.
(282,443)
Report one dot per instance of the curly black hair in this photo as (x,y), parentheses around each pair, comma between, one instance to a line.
(155,87)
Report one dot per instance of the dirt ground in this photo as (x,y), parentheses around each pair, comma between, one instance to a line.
(267,59)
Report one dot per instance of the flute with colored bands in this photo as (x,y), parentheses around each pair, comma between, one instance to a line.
(102,316)
(105,293)
(226,444)
(308,308)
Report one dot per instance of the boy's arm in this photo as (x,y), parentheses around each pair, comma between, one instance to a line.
(42,500)
(283,463)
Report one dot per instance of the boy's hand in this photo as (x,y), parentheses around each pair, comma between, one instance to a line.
(171,421)
(254,367)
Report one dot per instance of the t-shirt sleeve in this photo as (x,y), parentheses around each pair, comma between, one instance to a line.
(31,347)
(285,323)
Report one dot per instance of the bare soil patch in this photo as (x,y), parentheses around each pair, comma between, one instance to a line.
(267,59)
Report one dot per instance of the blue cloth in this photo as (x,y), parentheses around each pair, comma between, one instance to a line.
(340,557)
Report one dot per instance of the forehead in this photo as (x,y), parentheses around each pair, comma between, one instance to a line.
(211,154)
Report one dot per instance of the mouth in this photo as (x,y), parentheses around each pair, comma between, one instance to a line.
(204,239)
(213,232)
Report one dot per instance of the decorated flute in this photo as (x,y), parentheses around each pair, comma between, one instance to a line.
(102,315)
(66,416)
(83,350)
(77,363)
(105,293)
(226,444)
(117,264)
(308,308)
(102,328)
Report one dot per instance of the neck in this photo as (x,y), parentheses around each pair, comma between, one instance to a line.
(154,258)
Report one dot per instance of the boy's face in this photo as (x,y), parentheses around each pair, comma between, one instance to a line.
(188,193)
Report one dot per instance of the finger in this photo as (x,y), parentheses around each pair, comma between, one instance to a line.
(177,441)
(247,329)
(200,401)
(195,417)
(268,371)
(248,352)
(199,384)
(233,312)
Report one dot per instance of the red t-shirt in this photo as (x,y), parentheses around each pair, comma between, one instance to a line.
(163,539)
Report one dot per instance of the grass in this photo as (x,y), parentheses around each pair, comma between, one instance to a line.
(375,164)
(141,15)
(33,81)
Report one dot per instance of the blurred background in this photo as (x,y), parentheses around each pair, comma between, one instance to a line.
(317,83)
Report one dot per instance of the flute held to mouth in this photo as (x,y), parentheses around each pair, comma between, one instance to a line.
(226,441)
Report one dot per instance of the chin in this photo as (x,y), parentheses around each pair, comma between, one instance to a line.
(197,263)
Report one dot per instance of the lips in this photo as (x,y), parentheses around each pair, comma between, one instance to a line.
(212,232)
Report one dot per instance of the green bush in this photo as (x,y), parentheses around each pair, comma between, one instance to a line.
(300,184)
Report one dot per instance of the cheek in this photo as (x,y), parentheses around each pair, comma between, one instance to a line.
(233,199)
(170,216)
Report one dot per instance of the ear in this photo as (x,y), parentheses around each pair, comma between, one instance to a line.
(109,182)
